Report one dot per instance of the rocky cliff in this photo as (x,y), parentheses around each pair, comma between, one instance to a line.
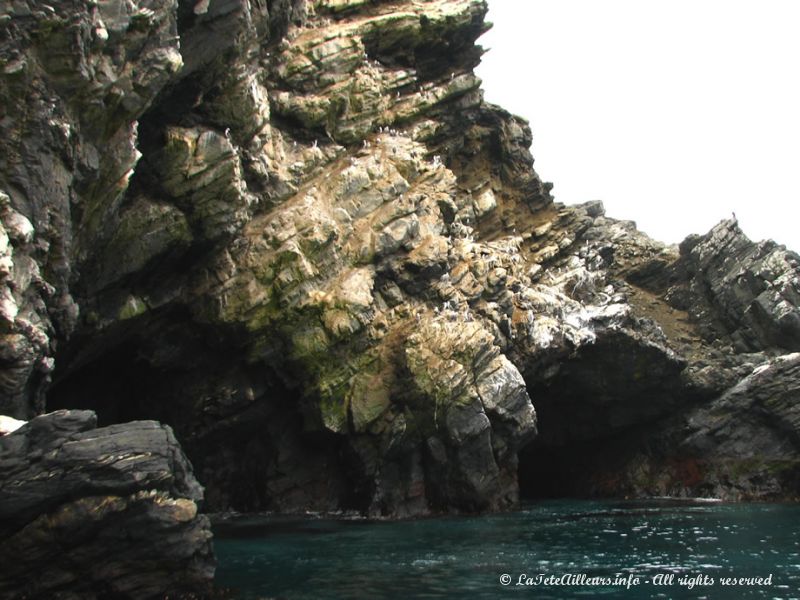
(294,231)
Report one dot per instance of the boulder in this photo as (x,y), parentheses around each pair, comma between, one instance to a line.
(99,512)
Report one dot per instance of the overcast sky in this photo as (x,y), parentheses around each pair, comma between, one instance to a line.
(675,113)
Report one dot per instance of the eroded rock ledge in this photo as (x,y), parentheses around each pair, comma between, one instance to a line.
(109,512)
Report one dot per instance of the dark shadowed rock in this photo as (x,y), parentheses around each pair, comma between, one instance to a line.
(88,512)
(743,445)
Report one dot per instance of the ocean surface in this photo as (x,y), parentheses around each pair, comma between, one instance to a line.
(553,549)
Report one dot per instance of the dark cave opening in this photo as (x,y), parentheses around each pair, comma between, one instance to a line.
(549,473)
(603,407)
(129,370)
(592,469)
(242,427)
(115,386)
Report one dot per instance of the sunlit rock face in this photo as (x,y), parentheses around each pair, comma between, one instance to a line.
(294,231)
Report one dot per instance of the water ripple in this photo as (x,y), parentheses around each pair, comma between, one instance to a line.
(464,557)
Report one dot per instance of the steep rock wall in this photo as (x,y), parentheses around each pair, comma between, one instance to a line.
(296,232)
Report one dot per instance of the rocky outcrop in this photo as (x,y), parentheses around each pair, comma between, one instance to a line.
(262,192)
(697,401)
(744,444)
(88,512)
(744,292)
(294,231)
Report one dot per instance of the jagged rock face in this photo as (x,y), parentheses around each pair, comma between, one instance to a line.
(89,512)
(295,232)
(754,289)
(697,399)
(75,76)
(291,226)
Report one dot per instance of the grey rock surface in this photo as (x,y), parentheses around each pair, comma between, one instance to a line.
(88,512)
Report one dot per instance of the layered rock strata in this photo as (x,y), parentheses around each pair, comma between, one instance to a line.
(109,512)
(295,232)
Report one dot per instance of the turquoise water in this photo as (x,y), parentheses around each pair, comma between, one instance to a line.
(569,541)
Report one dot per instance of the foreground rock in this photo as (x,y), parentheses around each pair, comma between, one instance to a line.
(89,512)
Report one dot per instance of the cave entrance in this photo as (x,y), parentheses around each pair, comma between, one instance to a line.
(596,468)
(596,414)
(116,386)
(143,368)
(242,426)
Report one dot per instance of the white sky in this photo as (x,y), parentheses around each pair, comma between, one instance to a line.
(673,112)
